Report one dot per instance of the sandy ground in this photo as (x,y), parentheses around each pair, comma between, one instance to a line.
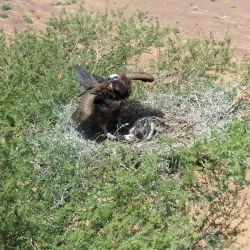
(194,18)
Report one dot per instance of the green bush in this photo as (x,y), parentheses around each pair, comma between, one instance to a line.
(59,190)
(32,10)
(27,19)
(3,15)
(176,30)
(195,60)
(6,7)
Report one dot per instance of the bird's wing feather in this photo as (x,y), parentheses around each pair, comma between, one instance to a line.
(84,109)
(143,76)
(99,79)
(85,78)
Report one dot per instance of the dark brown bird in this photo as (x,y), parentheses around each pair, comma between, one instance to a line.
(105,95)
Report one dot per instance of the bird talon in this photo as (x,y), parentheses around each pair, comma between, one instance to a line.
(111,137)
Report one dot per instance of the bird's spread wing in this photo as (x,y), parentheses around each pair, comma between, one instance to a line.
(84,109)
(143,76)
(99,79)
(86,79)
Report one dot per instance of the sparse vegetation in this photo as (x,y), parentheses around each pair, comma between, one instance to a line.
(73,1)
(3,15)
(52,22)
(27,19)
(159,43)
(170,193)
(176,30)
(32,10)
(194,61)
(61,2)
(6,7)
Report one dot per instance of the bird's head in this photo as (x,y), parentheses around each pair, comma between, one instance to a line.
(114,78)
(118,84)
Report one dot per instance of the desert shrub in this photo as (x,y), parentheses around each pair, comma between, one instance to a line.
(36,77)
(160,195)
(244,71)
(27,19)
(3,15)
(6,6)
(122,196)
(194,60)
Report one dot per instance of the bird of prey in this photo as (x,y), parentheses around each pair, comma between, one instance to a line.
(104,95)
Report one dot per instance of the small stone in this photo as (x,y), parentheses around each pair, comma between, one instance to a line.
(194,7)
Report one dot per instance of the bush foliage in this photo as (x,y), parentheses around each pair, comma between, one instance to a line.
(61,191)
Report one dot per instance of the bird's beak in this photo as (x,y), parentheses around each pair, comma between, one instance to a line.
(113,77)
